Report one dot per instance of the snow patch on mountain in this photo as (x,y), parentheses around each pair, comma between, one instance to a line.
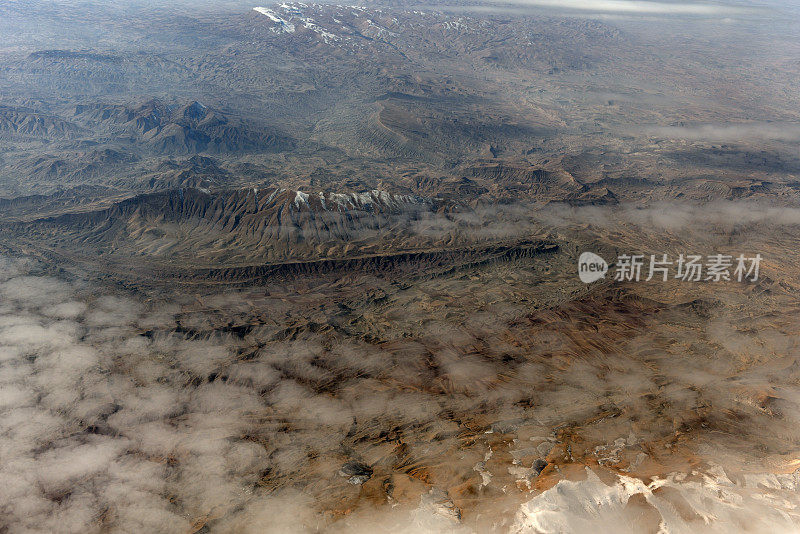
(285,25)
(291,15)
(300,198)
(711,503)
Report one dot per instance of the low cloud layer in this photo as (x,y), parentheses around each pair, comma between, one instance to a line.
(687,219)
(730,132)
(634,6)
(430,415)
(725,12)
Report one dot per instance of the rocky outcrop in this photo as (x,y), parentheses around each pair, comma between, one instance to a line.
(19,123)
(186,129)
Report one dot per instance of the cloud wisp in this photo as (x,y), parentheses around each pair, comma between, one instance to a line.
(629,7)
(729,132)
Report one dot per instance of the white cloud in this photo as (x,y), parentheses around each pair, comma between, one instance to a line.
(631,6)
(729,132)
